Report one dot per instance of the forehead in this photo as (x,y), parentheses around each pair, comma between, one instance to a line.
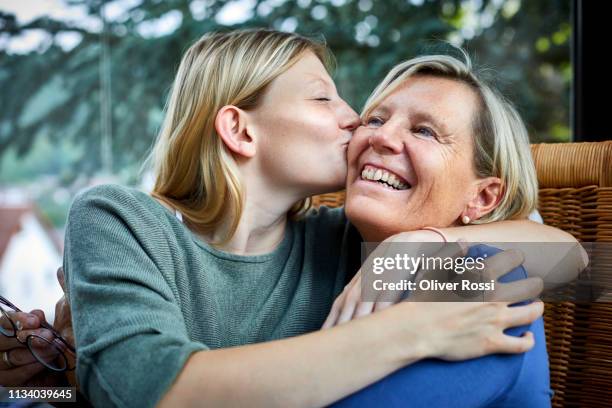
(448,101)
(308,70)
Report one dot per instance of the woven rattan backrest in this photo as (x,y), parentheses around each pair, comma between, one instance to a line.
(576,195)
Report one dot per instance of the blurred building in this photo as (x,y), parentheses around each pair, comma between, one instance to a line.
(30,253)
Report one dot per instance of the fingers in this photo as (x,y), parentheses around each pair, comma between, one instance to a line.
(349,305)
(361,308)
(19,375)
(62,312)
(63,321)
(45,352)
(68,334)
(352,306)
(17,357)
(348,308)
(522,315)
(511,345)
(61,278)
(517,291)
(21,320)
(346,304)
(502,263)
(364,309)
(332,317)
(44,333)
(39,314)
(452,250)
(8,343)
(379,306)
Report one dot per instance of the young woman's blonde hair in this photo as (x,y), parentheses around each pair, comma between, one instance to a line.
(500,137)
(193,170)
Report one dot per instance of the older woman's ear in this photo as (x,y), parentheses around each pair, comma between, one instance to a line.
(487,197)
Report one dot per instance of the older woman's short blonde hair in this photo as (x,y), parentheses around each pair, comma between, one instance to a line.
(193,170)
(500,137)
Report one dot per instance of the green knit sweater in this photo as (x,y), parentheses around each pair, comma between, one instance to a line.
(146,292)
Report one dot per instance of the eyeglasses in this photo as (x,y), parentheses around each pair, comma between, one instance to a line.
(49,353)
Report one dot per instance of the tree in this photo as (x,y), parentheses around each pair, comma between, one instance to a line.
(58,94)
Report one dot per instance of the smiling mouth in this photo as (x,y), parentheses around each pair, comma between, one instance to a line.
(385,178)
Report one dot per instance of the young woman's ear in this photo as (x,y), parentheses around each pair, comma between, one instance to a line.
(488,195)
(231,126)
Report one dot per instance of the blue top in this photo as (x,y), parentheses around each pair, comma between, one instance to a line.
(496,380)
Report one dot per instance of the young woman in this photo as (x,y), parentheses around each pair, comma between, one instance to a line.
(169,293)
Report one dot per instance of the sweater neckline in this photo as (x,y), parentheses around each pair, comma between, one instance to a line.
(281,249)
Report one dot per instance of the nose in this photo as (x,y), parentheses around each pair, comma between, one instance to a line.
(349,119)
(384,141)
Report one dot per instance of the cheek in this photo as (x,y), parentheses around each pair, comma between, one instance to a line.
(301,149)
(357,145)
(438,171)
(455,176)
(444,185)
(360,138)
(321,150)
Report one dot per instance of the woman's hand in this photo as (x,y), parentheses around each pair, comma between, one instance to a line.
(22,368)
(63,316)
(456,331)
(17,364)
(63,324)
(349,305)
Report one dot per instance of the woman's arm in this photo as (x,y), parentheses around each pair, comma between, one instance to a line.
(508,231)
(135,344)
(558,259)
(319,368)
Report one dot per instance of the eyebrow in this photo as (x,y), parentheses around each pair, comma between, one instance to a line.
(379,110)
(418,116)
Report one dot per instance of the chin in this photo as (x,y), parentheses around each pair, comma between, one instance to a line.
(322,183)
(379,216)
(370,219)
(334,174)
(336,185)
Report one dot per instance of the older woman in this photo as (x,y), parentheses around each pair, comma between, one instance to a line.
(169,290)
(440,148)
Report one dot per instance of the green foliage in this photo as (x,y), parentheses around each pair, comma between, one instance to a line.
(56,93)
(43,159)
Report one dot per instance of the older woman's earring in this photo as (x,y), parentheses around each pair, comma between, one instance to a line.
(465,219)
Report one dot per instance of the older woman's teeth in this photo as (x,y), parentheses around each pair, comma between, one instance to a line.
(384,177)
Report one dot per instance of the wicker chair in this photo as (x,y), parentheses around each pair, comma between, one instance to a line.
(576,196)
